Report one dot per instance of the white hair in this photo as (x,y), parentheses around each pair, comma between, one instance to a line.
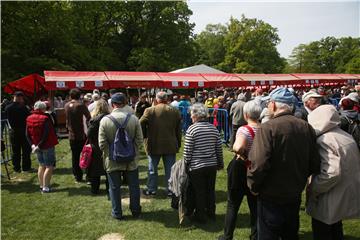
(252,109)
(39,105)
(199,110)
(161,96)
(284,106)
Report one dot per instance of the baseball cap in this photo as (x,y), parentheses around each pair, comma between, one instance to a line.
(118,98)
(353,97)
(282,95)
(309,95)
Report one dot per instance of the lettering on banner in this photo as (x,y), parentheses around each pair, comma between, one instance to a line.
(312,81)
(98,83)
(307,81)
(271,82)
(174,84)
(201,84)
(185,83)
(262,82)
(317,81)
(79,84)
(60,84)
(252,83)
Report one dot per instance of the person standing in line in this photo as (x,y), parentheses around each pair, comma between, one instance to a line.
(77,116)
(141,105)
(114,170)
(16,113)
(203,156)
(96,168)
(162,127)
(283,156)
(41,136)
(237,116)
(334,193)
(237,170)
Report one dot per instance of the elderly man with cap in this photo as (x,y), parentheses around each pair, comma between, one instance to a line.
(282,157)
(237,116)
(311,101)
(162,126)
(107,132)
(16,113)
(41,135)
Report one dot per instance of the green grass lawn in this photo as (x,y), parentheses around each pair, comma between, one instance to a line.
(71,212)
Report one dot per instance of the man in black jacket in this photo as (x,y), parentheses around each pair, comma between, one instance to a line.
(283,156)
(16,113)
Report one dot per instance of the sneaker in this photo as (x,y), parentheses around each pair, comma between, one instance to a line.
(46,190)
(148,193)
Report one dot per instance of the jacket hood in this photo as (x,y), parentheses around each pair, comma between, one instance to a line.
(324,118)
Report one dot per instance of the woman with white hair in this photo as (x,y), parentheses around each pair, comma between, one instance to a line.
(237,172)
(203,157)
(42,138)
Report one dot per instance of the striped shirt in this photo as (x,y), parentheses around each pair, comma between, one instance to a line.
(246,133)
(203,146)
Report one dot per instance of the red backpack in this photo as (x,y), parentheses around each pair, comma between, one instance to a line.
(86,156)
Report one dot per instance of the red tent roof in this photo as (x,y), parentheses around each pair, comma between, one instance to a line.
(183,80)
(33,83)
(133,79)
(62,80)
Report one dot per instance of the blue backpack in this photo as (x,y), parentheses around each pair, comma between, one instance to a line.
(122,150)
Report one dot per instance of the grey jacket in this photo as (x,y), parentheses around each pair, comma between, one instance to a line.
(236,113)
(107,131)
(334,193)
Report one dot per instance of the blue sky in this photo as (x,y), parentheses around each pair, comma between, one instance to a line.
(297,22)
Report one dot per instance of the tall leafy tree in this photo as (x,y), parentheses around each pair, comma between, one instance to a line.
(250,46)
(211,48)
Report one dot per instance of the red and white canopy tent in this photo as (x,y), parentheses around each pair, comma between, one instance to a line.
(65,80)
(30,85)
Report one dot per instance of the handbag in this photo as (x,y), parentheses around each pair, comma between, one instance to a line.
(86,156)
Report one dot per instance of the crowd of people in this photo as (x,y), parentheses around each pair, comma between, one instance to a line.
(284,141)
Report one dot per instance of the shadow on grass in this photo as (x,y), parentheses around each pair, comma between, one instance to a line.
(63,171)
(22,185)
(169,218)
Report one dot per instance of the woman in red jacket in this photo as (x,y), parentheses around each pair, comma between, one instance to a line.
(41,135)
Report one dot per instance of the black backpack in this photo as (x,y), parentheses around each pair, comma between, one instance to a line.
(354,130)
(122,150)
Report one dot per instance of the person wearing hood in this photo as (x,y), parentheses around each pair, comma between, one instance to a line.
(347,114)
(334,194)
(41,136)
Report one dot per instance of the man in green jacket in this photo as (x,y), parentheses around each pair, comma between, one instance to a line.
(107,131)
(162,130)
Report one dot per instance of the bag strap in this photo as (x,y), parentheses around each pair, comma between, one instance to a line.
(251,131)
(117,124)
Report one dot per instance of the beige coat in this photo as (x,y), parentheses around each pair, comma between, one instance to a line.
(107,132)
(162,129)
(334,194)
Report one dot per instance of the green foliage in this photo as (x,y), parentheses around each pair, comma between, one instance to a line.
(103,35)
(243,46)
(251,47)
(211,49)
(329,55)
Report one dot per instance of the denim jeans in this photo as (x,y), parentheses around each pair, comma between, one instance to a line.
(154,160)
(115,192)
(278,220)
